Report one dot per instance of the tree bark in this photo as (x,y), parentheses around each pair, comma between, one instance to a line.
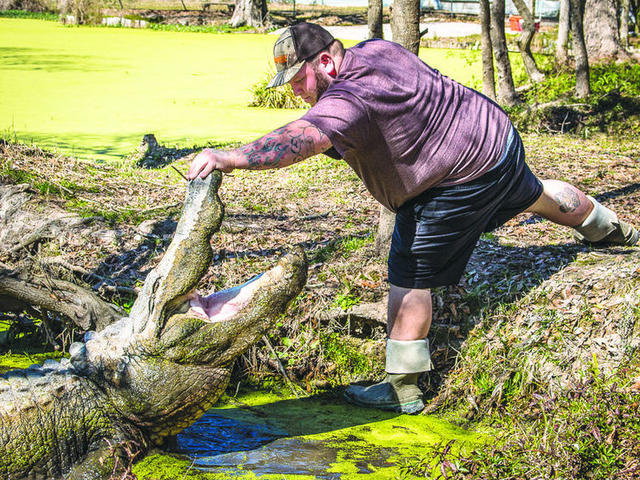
(252,13)
(386,225)
(563,33)
(525,39)
(601,32)
(583,87)
(83,308)
(405,24)
(405,28)
(374,19)
(624,23)
(488,77)
(506,89)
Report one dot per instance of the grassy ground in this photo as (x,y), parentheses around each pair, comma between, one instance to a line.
(322,205)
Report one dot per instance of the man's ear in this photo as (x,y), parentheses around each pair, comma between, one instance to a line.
(328,64)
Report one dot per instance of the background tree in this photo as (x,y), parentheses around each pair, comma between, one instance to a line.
(583,87)
(525,39)
(563,33)
(506,89)
(624,23)
(405,24)
(405,28)
(488,78)
(252,13)
(374,19)
(602,34)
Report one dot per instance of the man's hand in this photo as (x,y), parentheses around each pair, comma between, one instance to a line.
(209,160)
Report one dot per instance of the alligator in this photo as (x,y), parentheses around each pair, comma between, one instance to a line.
(146,377)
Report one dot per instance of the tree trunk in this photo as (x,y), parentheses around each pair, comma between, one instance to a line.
(386,225)
(488,78)
(525,39)
(601,33)
(583,87)
(252,13)
(506,89)
(624,23)
(563,33)
(405,24)
(405,28)
(374,19)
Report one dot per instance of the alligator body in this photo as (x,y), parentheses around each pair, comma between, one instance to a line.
(147,376)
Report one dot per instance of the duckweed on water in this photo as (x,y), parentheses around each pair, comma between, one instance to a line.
(316,437)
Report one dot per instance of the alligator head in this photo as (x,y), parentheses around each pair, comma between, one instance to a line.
(153,373)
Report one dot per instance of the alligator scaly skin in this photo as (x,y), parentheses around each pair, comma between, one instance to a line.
(148,375)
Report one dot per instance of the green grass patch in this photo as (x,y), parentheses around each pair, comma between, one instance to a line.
(281,97)
(29,15)
(623,77)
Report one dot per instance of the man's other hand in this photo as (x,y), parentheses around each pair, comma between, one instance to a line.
(209,160)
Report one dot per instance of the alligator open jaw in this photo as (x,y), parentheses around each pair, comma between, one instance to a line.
(149,375)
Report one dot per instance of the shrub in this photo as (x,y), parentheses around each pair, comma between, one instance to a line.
(281,97)
(38,6)
(81,12)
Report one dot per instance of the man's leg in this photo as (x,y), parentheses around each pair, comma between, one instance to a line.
(408,313)
(408,322)
(564,204)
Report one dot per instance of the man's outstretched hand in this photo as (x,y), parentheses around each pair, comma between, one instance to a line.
(209,160)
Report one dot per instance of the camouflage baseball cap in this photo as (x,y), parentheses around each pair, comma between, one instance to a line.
(297,44)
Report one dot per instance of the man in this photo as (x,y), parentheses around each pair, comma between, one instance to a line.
(445,158)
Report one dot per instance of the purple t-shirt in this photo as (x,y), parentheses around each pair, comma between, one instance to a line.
(404,127)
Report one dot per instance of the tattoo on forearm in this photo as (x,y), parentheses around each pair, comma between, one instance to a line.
(567,199)
(284,146)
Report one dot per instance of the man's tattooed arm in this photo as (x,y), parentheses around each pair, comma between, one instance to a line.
(282,147)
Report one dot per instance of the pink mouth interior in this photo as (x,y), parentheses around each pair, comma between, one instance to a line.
(222,305)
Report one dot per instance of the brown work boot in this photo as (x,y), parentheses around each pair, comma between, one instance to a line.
(397,392)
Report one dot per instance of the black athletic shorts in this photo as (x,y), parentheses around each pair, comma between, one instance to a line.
(436,232)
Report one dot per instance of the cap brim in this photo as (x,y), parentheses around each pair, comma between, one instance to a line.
(285,75)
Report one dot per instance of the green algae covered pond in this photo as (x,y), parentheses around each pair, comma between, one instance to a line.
(261,435)
(93,92)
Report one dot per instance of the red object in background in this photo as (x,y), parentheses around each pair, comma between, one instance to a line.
(515,23)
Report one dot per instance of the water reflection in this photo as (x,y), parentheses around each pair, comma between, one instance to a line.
(217,443)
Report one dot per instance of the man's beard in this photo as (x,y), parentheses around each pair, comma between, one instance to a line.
(322,83)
